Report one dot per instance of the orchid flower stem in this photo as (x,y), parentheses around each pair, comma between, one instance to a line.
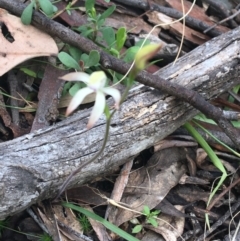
(73,173)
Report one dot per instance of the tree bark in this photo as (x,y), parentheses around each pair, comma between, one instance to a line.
(35,165)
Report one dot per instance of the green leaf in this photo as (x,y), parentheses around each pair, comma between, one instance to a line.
(84,58)
(121,37)
(155,213)
(87,32)
(29,72)
(103,221)
(46,6)
(89,5)
(108,36)
(137,228)
(55,9)
(26,16)
(153,221)
(100,23)
(114,52)
(146,210)
(140,42)
(213,157)
(68,60)
(66,87)
(74,89)
(93,59)
(75,53)
(108,12)
(216,139)
(130,54)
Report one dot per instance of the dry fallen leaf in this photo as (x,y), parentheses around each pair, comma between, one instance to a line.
(149,185)
(26,42)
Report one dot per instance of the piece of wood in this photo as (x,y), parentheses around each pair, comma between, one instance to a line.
(35,165)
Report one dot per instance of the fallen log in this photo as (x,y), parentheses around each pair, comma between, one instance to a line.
(35,165)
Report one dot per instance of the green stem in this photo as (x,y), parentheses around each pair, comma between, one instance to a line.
(73,173)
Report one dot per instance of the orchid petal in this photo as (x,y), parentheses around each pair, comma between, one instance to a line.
(76,76)
(115,94)
(97,110)
(144,54)
(77,99)
(97,80)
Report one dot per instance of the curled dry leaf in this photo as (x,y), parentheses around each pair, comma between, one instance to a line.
(21,42)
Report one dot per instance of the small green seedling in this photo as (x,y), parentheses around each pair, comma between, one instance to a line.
(86,226)
(150,219)
(95,21)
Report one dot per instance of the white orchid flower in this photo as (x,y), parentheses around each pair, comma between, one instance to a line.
(95,83)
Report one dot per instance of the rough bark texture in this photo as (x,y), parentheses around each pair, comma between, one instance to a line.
(35,165)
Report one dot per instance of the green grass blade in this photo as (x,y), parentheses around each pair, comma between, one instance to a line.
(215,160)
(213,157)
(210,134)
(103,221)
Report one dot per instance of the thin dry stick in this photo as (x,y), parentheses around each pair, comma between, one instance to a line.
(220,221)
(222,21)
(215,200)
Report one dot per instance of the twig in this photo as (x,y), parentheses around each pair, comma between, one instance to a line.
(37,220)
(190,21)
(222,194)
(223,11)
(220,221)
(73,232)
(110,62)
(222,21)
